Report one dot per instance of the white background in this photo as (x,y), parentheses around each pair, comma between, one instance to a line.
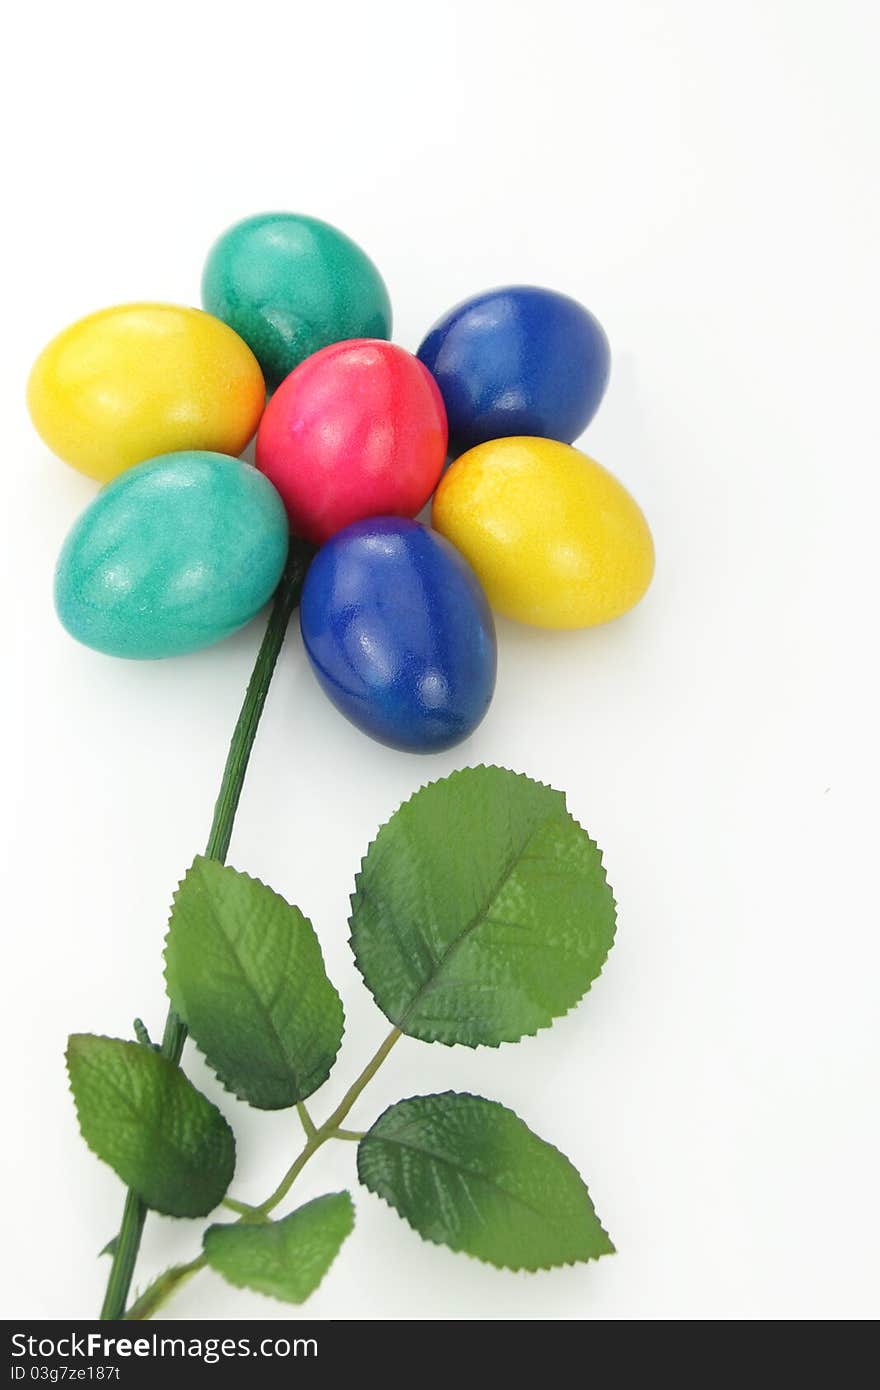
(703,176)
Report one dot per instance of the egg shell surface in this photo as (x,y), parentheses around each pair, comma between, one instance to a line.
(554,538)
(357,430)
(290,285)
(131,382)
(399,634)
(520,360)
(174,555)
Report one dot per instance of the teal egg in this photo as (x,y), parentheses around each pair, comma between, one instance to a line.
(290,285)
(173,555)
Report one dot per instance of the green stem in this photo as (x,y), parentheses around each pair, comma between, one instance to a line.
(165,1285)
(174,1036)
(305,1119)
(145,1306)
(354,1090)
(242,1209)
(329,1127)
(128,1242)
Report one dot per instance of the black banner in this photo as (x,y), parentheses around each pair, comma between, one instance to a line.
(134,1354)
(257,1354)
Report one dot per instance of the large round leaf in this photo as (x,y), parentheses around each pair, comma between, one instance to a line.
(481,911)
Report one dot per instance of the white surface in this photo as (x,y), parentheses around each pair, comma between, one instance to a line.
(704,177)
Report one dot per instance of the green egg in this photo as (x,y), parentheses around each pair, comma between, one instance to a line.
(173,555)
(290,285)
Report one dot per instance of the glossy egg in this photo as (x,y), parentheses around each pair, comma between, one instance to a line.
(554,538)
(291,285)
(138,380)
(399,634)
(518,360)
(357,430)
(173,555)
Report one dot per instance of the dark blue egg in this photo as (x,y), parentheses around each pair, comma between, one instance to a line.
(514,361)
(399,634)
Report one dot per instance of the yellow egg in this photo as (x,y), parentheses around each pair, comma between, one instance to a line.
(554,538)
(128,383)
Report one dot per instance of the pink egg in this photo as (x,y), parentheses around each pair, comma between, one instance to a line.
(357,430)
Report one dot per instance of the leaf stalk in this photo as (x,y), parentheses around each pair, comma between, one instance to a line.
(161,1289)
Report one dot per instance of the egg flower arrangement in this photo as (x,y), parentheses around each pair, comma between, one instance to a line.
(481,911)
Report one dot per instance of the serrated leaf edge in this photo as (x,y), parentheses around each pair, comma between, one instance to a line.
(227,1085)
(542,1027)
(288,1303)
(130,1042)
(430,1240)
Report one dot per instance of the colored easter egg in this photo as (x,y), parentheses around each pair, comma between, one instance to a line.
(399,634)
(356,430)
(554,538)
(128,383)
(518,360)
(173,555)
(291,285)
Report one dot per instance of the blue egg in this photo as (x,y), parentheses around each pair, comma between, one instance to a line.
(399,634)
(174,554)
(517,361)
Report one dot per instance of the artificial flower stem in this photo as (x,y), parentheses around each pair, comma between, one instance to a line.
(286,600)
(329,1127)
(161,1288)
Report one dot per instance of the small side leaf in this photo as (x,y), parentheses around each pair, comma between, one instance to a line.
(468,1173)
(244,971)
(160,1288)
(481,911)
(141,1115)
(285,1259)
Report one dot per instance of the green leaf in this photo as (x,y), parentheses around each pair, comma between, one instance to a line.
(245,973)
(481,911)
(286,1259)
(140,1114)
(468,1173)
